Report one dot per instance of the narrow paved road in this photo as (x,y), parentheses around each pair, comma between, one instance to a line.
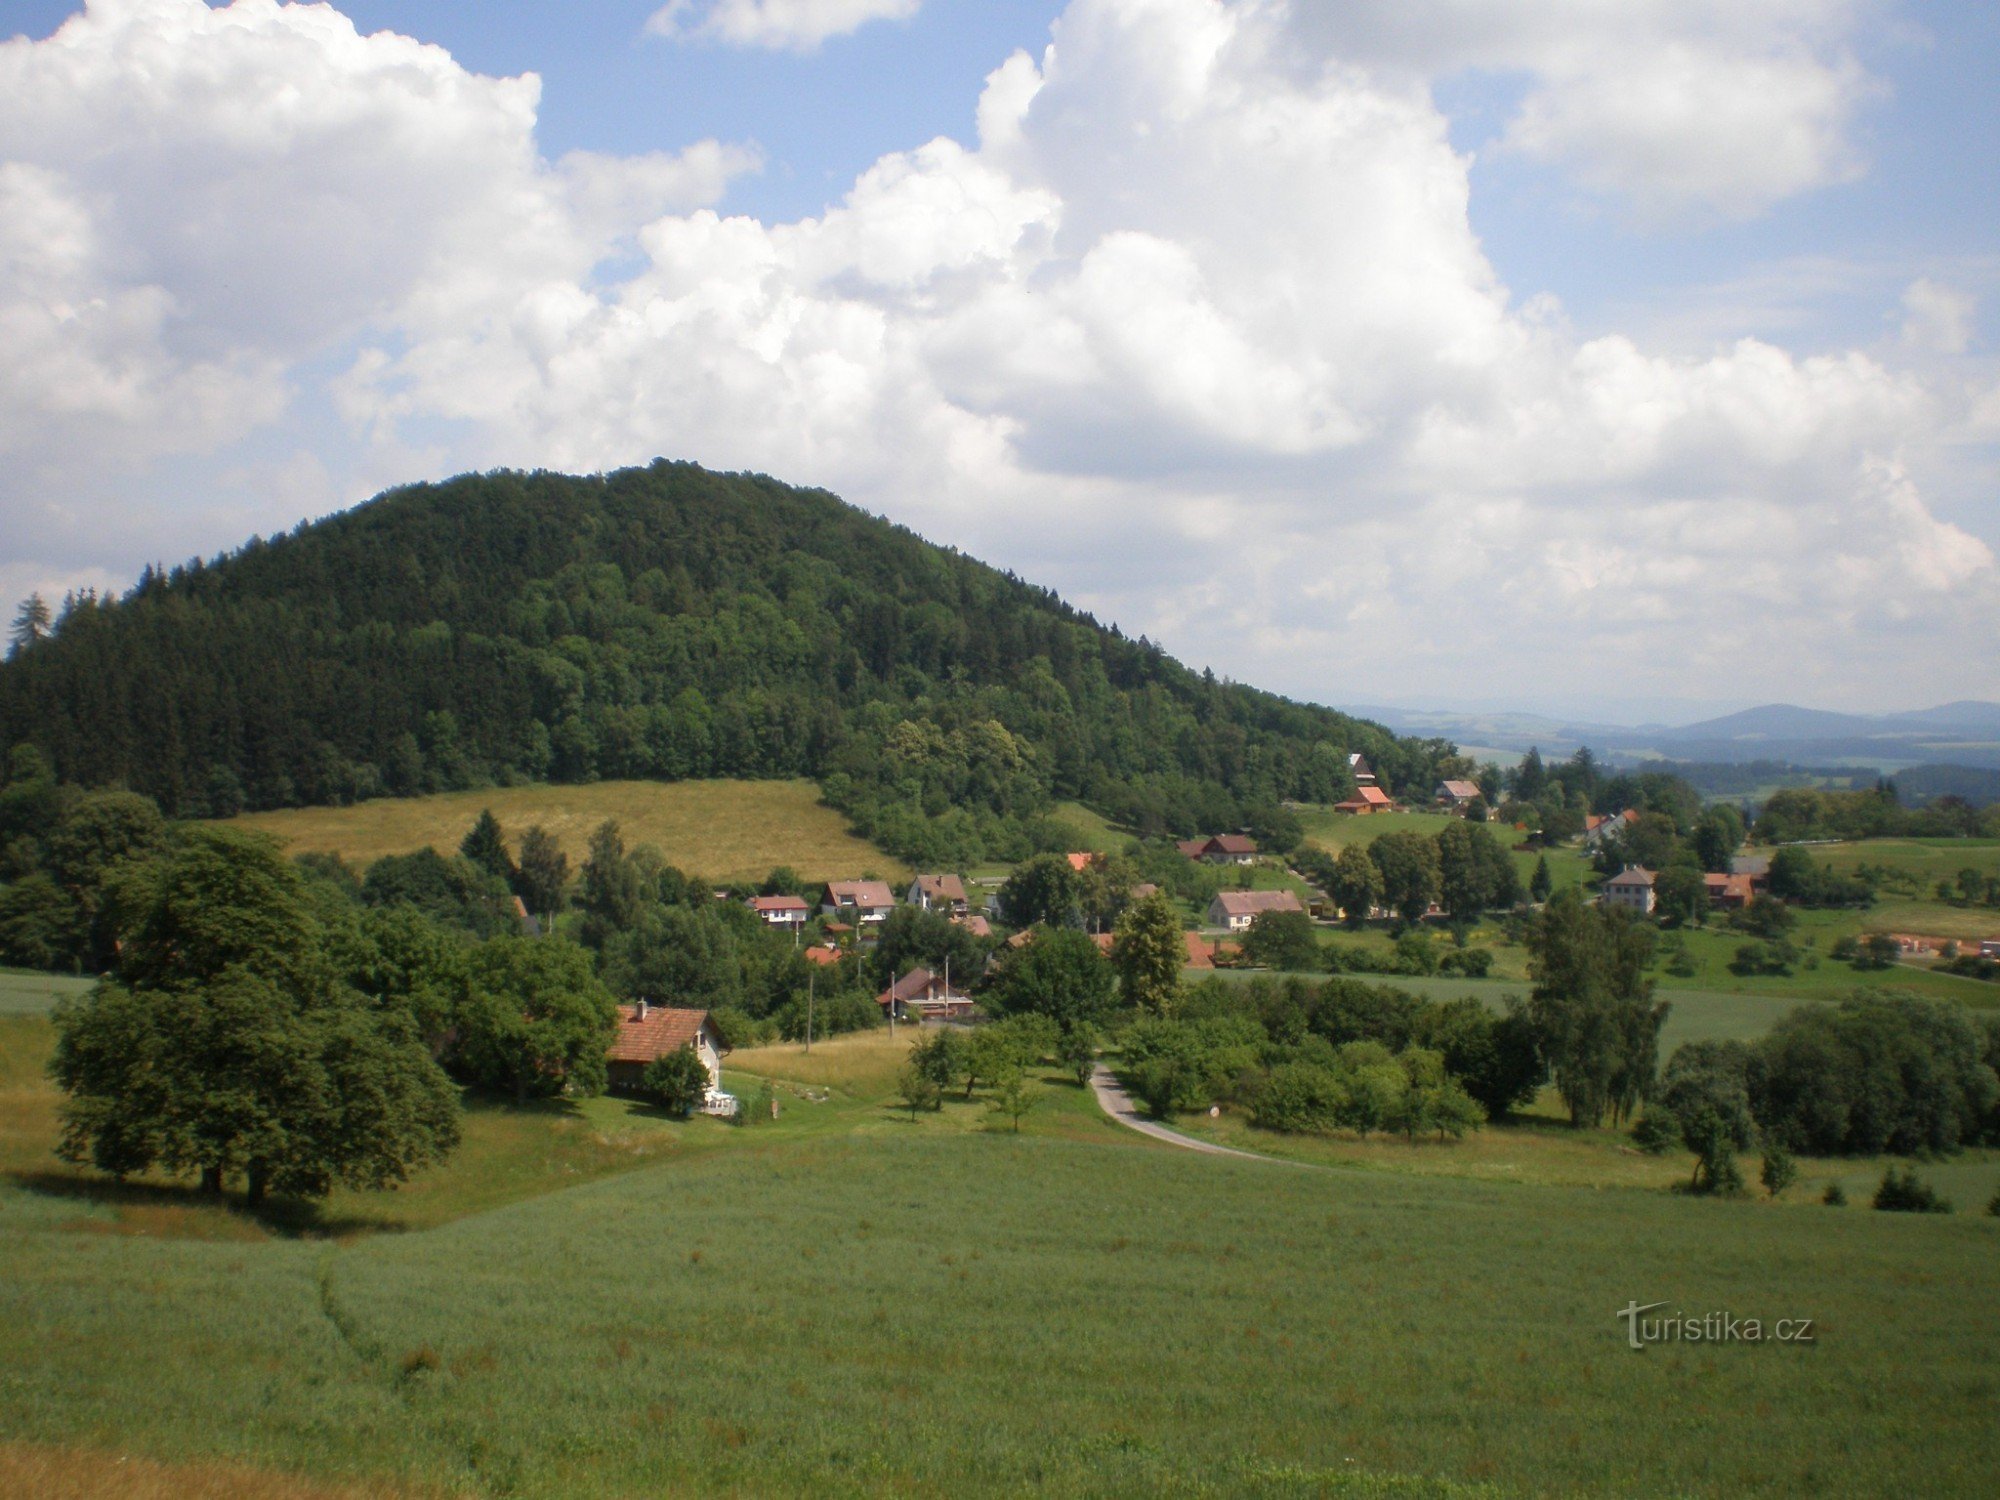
(1115,1102)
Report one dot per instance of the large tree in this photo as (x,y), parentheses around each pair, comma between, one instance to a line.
(1409,865)
(1042,889)
(1592,1007)
(1356,887)
(1060,975)
(1149,953)
(534,1020)
(226,1043)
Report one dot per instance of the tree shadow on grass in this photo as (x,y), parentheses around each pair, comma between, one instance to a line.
(170,1210)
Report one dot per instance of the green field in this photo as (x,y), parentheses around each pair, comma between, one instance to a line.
(28,994)
(720,830)
(594,1301)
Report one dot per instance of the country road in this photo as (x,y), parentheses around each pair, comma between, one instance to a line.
(1115,1102)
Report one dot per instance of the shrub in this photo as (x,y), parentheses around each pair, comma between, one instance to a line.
(1474,963)
(1906,1193)
(1834,1196)
(1656,1132)
(677,1080)
(1302,1098)
(1780,1171)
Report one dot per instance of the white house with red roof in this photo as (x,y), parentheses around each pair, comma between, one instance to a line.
(1631,888)
(649,1032)
(1236,910)
(780,911)
(866,903)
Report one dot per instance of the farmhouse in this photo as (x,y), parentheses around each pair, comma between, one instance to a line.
(1236,910)
(1366,799)
(1457,795)
(1221,849)
(1728,892)
(924,994)
(1631,887)
(649,1032)
(867,902)
(780,911)
(941,893)
(1597,828)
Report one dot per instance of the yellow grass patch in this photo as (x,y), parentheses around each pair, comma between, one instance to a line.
(79,1474)
(720,830)
(861,1062)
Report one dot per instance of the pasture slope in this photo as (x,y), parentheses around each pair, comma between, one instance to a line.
(846,1302)
(719,830)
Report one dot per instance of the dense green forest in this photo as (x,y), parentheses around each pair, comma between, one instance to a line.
(667,623)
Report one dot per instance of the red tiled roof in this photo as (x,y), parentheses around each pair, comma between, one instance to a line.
(663,1029)
(1232,843)
(975,924)
(918,984)
(761,904)
(1104,941)
(1080,860)
(826,958)
(862,893)
(1193,848)
(1631,875)
(1466,790)
(941,887)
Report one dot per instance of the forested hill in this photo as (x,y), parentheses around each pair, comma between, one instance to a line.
(664,622)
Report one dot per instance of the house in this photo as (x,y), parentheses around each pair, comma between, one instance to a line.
(941,893)
(1632,888)
(1597,828)
(866,903)
(1221,849)
(924,994)
(1754,867)
(1082,859)
(975,924)
(1457,795)
(780,911)
(1363,774)
(649,1032)
(1728,892)
(1104,941)
(1236,910)
(1366,799)
(823,954)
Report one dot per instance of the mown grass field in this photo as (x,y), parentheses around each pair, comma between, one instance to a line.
(842,1302)
(720,830)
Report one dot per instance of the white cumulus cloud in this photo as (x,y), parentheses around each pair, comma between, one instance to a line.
(1197,328)
(779,25)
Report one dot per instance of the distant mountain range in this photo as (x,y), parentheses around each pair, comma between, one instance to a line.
(1964,733)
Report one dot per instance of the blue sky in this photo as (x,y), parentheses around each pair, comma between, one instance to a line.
(1634,359)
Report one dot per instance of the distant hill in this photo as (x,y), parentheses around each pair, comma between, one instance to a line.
(658,623)
(1965,733)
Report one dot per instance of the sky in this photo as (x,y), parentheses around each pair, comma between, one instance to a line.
(1623,358)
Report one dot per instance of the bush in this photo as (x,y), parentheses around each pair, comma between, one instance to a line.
(1780,1171)
(1834,1196)
(1474,963)
(677,1080)
(1656,1132)
(1301,1098)
(1905,1193)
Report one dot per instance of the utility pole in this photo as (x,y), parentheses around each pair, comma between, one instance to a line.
(812,980)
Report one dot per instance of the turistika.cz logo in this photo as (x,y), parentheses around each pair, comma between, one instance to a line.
(1708,1328)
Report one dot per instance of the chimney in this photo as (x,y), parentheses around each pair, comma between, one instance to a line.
(642,1011)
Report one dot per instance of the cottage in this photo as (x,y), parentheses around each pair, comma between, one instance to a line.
(924,994)
(1363,775)
(1632,888)
(1728,892)
(780,911)
(975,924)
(1221,849)
(1366,799)
(939,893)
(1457,795)
(1597,828)
(1236,910)
(648,1032)
(864,902)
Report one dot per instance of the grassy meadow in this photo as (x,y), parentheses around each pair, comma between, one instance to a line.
(842,1301)
(720,830)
